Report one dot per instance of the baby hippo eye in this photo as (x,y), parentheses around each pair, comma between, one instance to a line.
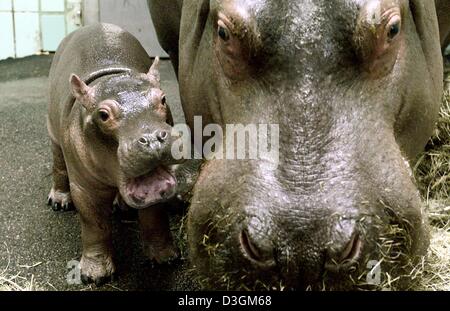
(223,32)
(104,115)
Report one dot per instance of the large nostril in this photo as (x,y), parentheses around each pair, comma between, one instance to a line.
(143,141)
(347,257)
(257,254)
(162,136)
(352,250)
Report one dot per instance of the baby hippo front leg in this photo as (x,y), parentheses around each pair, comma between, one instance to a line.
(157,239)
(95,209)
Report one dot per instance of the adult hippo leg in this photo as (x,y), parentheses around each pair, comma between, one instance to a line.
(166,15)
(59,196)
(443,12)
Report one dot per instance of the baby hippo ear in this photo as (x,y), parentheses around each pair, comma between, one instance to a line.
(153,74)
(82,92)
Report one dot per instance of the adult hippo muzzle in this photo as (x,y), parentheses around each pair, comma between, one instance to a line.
(355,88)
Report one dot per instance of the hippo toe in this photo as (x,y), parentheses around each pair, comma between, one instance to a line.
(60,201)
(161,253)
(98,270)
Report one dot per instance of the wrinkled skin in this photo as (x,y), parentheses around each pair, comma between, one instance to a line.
(356,100)
(110,130)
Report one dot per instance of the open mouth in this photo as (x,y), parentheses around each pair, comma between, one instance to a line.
(149,189)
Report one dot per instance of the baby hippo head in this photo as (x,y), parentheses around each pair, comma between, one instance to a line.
(129,112)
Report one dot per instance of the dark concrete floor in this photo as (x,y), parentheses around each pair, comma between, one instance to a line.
(31,234)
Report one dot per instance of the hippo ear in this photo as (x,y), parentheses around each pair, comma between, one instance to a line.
(427,26)
(82,92)
(153,74)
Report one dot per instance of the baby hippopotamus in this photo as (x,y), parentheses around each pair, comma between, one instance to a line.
(110,128)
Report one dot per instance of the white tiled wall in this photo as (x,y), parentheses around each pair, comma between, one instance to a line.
(53,5)
(6,35)
(6,5)
(26,5)
(133,16)
(31,26)
(27,34)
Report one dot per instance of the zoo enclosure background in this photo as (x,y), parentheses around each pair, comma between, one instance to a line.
(30,27)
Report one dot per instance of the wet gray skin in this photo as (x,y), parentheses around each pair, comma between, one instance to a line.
(356,99)
(111,133)
(123,114)
(142,134)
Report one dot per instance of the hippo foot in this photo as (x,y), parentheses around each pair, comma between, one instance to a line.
(99,270)
(60,201)
(161,254)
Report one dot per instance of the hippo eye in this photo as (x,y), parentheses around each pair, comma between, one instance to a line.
(223,32)
(394,29)
(104,115)
(163,100)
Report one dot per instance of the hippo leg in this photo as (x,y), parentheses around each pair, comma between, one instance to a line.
(443,9)
(95,209)
(157,239)
(59,197)
(124,212)
(166,16)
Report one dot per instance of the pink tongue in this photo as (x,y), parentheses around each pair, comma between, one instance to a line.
(151,187)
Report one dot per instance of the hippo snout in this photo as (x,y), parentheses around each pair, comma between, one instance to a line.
(154,141)
(277,239)
(154,145)
(142,150)
(337,253)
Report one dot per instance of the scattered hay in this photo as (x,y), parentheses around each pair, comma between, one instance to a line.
(435,269)
(17,283)
(432,173)
(433,167)
(14,282)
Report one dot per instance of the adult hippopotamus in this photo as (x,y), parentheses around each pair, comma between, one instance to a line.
(355,87)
